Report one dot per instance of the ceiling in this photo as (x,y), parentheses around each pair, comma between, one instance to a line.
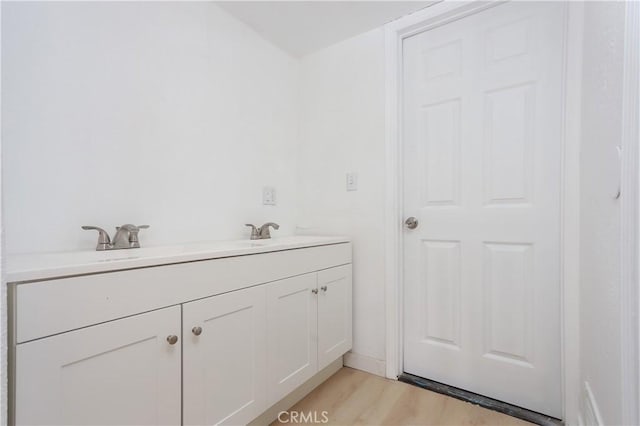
(302,27)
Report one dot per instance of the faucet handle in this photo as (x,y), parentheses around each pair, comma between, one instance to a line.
(103,237)
(133,229)
(255,233)
(133,234)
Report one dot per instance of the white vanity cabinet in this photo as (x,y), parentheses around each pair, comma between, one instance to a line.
(216,341)
(334,314)
(309,319)
(120,372)
(225,367)
(292,318)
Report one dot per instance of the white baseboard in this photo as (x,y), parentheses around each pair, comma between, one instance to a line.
(365,363)
(589,412)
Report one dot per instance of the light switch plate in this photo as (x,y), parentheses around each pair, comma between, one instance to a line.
(269,196)
(352,181)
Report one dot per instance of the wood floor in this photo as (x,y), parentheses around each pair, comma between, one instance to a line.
(353,397)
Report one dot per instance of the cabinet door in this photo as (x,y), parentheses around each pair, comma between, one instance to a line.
(224,372)
(292,334)
(334,314)
(116,373)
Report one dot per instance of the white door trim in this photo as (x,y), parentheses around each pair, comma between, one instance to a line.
(431,17)
(629,210)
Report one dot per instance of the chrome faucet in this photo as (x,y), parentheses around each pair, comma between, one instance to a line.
(262,232)
(126,237)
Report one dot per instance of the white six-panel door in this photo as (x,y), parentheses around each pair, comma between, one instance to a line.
(122,372)
(482,126)
(224,369)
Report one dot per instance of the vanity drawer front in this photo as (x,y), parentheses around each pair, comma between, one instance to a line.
(49,307)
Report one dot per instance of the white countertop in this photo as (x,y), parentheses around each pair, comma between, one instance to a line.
(29,267)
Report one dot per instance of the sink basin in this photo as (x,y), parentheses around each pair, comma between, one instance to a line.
(255,243)
(84,257)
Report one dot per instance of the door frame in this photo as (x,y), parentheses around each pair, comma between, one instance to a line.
(436,15)
(629,212)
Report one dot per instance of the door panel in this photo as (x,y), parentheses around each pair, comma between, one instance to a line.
(292,309)
(441,263)
(118,373)
(224,373)
(507,301)
(441,154)
(334,314)
(482,144)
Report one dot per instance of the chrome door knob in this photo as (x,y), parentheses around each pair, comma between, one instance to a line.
(196,330)
(411,222)
(314,290)
(323,288)
(172,339)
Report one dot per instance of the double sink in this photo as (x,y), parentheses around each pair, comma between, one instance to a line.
(32,267)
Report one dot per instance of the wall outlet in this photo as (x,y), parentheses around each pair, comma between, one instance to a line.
(269,196)
(352,181)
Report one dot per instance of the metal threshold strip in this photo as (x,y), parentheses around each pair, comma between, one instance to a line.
(483,401)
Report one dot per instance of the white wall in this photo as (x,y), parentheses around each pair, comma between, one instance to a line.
(600,214)
(342,130)
(170,114)
(4,337)
(175,115)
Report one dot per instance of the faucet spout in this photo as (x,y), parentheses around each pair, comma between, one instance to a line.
(264,230)
(127,236)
